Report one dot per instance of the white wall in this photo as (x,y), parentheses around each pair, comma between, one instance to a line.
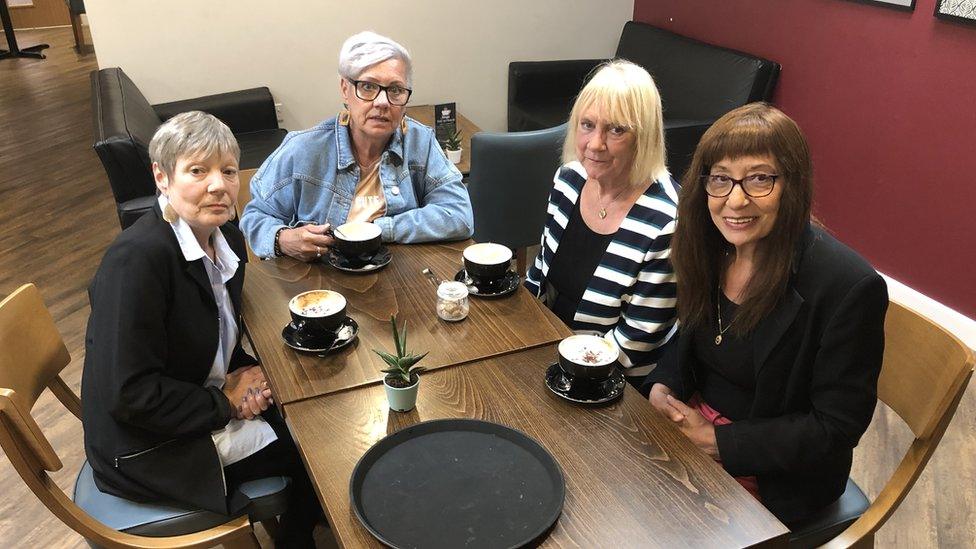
(178,49)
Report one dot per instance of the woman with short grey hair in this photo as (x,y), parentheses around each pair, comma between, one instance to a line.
(174,409)
(370,163)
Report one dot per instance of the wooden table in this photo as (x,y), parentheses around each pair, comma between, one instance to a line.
(493,326)
(425,115)
(632,478)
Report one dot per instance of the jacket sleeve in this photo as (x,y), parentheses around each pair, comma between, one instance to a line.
(843,395)
(444,207)
(268,210)
(128,337)
(533,277)
(648,321)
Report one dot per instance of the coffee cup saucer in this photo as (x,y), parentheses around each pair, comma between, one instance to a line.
(347,333)
(500,288)
(361,264)
(585,392)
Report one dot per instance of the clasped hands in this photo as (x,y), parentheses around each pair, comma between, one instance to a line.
(248,392)
(307,242)
(689,420)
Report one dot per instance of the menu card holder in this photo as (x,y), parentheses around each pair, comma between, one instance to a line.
(445,121)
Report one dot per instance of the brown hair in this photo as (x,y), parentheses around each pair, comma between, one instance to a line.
(698,250)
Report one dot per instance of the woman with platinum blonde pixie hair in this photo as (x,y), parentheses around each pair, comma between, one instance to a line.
(604,264)
(173,408)
(369,163)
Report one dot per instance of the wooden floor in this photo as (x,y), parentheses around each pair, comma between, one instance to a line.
(57,216)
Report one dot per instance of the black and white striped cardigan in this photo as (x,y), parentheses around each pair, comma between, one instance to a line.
(630,299)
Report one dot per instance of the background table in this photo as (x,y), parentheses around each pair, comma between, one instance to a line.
(425,115)
(493,327)
(632,478)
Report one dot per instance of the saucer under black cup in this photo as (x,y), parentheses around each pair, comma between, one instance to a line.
(362,263)
(501,287)
(580,391)
(347,332)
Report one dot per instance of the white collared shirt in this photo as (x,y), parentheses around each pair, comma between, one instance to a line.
(240,438)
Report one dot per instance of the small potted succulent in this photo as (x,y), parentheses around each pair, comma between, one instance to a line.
(402,377)
(452,146)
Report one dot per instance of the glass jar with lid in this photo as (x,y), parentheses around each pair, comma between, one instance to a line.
(452,301)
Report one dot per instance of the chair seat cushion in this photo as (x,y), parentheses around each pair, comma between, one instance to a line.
(257,146)
(158,519)
(830,521)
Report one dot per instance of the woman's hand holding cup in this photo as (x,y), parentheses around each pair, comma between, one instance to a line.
(307,243)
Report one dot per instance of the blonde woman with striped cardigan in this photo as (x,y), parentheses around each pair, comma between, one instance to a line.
(604,263)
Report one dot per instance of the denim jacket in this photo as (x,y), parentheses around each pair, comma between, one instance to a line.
(312,178)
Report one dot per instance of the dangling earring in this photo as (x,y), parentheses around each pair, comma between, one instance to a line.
(169,214)
(344,115)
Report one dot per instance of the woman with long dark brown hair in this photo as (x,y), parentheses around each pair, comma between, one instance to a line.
(775,370)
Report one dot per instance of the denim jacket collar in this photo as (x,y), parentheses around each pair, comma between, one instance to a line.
(344,156)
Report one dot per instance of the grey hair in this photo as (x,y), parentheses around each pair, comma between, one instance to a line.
(192,133)
(365,49)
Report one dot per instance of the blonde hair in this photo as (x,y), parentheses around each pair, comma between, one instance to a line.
(625,94)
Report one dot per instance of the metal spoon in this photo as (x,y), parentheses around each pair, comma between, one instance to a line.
(431,277)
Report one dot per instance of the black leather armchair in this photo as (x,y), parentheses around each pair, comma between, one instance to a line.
(125,123)
(698,82)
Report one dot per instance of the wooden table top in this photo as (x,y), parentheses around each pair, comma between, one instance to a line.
(493,326)
(632,478)
(425,115)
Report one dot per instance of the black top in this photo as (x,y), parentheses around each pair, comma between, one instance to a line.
(728,382)
(577,256)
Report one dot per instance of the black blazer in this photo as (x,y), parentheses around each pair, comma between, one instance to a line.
(152,337)
(817,360)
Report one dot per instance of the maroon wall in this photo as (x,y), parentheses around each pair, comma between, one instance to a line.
(887,100)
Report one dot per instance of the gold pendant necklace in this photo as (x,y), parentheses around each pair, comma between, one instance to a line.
(603,209)
(603,213)
(718,305)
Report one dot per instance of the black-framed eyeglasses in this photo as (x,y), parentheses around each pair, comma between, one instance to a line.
(368,91)
(756,185)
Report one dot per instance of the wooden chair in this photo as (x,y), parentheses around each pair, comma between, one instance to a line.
(32,355)
(925,374)
(243,197)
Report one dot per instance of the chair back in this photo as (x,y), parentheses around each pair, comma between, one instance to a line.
(511,176)
(32,355)
(925,369)
(697,80)
(124,124)
(925,374)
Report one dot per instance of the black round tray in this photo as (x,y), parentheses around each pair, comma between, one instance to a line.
(457,483)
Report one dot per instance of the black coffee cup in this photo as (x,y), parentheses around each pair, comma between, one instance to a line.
(317,314)
(357,239)
(587,357)
(487,262)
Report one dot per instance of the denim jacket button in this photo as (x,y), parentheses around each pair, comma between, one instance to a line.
(395,190)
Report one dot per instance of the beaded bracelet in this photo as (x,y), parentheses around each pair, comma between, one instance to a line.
(277,242)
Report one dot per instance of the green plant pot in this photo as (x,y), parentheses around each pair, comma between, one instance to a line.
(402,400)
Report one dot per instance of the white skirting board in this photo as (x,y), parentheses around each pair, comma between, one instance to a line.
(962,326)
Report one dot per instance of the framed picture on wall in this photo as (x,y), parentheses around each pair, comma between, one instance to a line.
(904,5)
(963,11)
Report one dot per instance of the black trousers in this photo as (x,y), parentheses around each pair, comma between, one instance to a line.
(280,458)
